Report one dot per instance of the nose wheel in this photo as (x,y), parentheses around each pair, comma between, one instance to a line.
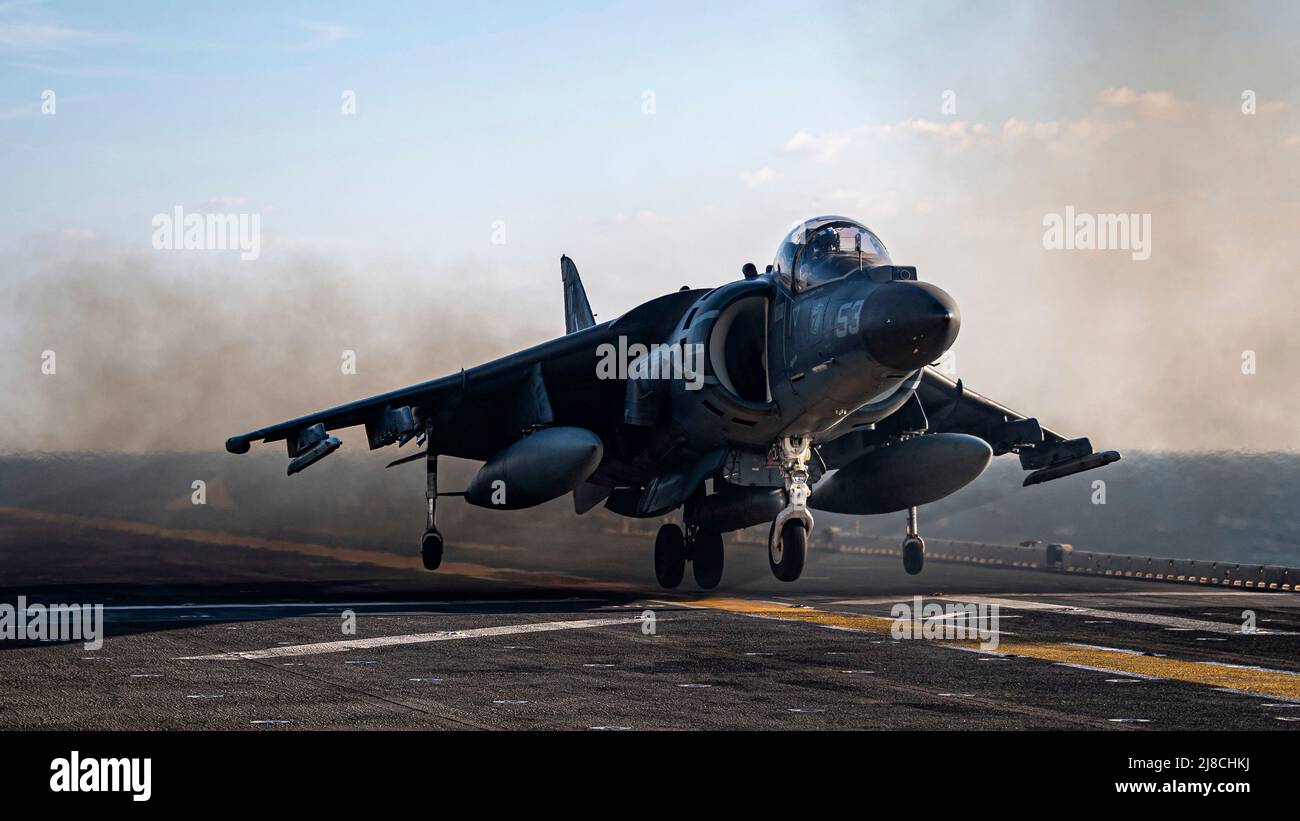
(787,541)
(786,555)
(913,546)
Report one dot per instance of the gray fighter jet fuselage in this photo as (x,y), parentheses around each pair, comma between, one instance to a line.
(807,386)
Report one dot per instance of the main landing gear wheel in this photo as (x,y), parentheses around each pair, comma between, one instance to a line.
(786,557)
(670,556)
(706,561)
(431,549)
(913,554)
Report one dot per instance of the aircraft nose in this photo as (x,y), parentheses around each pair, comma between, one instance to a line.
(907,325)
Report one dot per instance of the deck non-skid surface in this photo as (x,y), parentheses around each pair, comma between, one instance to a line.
(218,634)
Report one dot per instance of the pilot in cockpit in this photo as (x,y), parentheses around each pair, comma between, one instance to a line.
(834,251)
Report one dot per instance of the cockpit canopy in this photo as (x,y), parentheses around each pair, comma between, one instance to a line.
(823,249)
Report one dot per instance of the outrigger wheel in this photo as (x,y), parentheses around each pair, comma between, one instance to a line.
(670,556)
(913,554)
(431,549)
(913,545)
(786,557)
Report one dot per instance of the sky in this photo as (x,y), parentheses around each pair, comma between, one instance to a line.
(658,145)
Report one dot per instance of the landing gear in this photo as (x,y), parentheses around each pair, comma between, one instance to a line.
(913,546)
(431,549)
(670,556)
(786,555)
(794,522)
(673,548)
(431,544)
(706,559)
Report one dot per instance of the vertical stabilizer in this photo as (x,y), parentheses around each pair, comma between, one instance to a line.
(577,311)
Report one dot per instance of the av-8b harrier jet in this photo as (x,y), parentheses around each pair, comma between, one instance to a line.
(807,386)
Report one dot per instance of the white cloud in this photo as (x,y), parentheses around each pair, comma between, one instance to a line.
(759,178)
(954,135)
(1084,130)
(823,147)
(1150,105)
(1015,128)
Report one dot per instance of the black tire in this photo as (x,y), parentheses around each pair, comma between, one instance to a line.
(670,556)
(706,563)
(788,564)
(431,549)
(913,554)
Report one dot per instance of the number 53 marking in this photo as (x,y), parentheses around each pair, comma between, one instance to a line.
(848,318)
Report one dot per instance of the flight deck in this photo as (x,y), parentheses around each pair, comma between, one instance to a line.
(212,630)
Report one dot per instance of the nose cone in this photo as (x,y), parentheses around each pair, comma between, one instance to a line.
(907,325)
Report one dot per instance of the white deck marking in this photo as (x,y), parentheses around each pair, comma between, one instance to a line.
(412,638)
(1251,667)
(1111,649)
(873,600)
(1235,691)
(1107,670)
(963,615)
(1281,596)
(1176,622)
(346,605)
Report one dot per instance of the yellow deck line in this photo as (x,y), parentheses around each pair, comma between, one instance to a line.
(1264,682)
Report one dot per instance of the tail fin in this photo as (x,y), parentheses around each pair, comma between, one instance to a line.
(577,311)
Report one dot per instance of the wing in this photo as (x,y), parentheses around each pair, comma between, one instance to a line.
(476,412)
(951,407)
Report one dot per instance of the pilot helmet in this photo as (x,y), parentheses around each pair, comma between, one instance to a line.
(813,243)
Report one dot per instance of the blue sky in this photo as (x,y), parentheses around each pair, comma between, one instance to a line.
(527,112)
(464,115)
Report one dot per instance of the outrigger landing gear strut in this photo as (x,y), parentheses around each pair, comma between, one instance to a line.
(431,544)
